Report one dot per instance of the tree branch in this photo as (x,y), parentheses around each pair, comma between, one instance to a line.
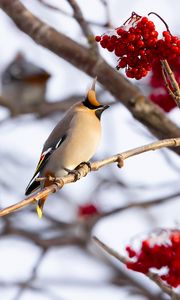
(47,108)
(43,109)
(84,170)
(57,9)
(141,108)
(154,277)
(170,82)
(78,15)
(136,204)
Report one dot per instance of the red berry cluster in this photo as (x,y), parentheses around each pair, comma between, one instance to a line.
(161,250)
(168,47)
(136,44)
(88,210)
(160,94)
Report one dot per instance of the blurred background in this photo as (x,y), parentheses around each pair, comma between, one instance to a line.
(55,258)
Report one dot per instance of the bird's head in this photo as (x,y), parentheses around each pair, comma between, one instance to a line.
(92,103)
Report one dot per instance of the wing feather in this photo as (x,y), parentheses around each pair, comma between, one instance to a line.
(55,139)
(33,184)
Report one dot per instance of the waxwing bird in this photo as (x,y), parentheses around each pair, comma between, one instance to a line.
(74,140)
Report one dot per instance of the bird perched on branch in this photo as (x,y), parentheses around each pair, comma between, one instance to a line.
(73,141)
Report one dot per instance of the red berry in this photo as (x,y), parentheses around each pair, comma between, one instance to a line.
(129,73)
(87,210)
(131,37)
(150,25)
(103,43)
(154,33)
(105,37)
(144,20)
(97,38)
(122,63)
(113,38)
(130,251)
(131,48)
(120,31)
(140,44)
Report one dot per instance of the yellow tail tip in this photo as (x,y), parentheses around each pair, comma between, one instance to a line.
(39,211)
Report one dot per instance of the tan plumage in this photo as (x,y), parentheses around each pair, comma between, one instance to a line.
(74,140)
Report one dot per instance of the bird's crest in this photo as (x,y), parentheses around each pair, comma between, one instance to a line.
(91,95)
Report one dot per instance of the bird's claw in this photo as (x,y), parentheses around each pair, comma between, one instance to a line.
(87,163)
(75,172)
(51,178)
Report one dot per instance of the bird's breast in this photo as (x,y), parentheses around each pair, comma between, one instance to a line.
(80,144)
(82,140)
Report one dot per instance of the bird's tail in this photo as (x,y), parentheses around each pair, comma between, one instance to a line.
(39,207)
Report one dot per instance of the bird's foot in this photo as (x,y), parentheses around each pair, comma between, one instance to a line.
(52,179)
(87,163)
(75,172)
(55,180)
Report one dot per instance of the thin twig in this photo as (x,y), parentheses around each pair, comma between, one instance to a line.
(78,15)
(169,79)
(154,277)
(69,15)
(55,8)
(84,170)
(107,11)
(26,284)
(136,204)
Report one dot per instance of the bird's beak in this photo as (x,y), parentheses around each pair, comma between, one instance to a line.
(100,110)
(105,107)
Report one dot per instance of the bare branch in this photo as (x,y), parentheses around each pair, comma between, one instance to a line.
(44,243)
(122,89)
(168,75)
(154,277)
(32,277)
(78,15)
(84,170)
(57,9)
(44,108)
(144,204)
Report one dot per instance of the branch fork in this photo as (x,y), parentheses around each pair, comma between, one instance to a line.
(170,82)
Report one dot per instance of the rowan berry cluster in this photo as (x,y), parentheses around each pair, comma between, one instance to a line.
(88,210)
(136,44)
(159,94)
(157,251)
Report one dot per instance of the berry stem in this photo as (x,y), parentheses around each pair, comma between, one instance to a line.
(131,17)
(153,13)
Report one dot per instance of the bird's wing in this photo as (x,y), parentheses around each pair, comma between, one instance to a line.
(55,139)
(45,155)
